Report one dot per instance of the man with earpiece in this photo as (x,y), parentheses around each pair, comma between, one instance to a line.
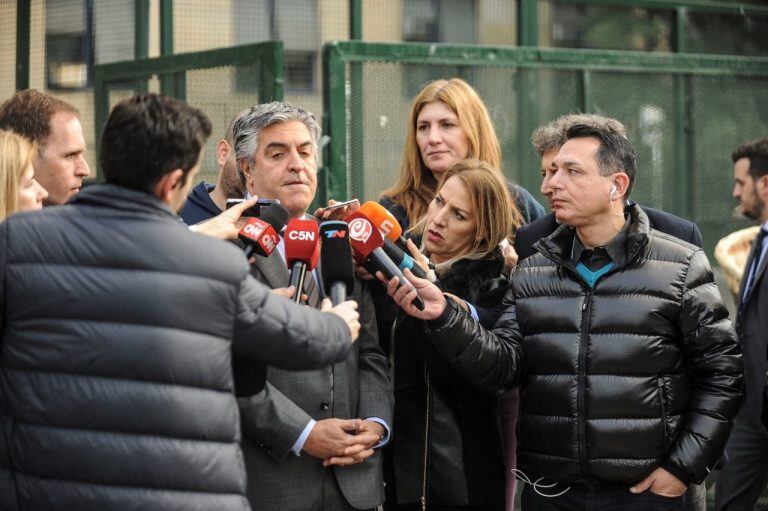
(629,369)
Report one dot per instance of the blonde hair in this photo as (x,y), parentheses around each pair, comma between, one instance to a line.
(496,215)
(416,185)
(15,156)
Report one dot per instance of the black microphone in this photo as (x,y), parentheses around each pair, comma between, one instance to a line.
(402,259)
(336,260)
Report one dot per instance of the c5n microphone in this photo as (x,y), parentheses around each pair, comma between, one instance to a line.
(386,222)
(336,256)
(260,234)
(302,250)
(367,248)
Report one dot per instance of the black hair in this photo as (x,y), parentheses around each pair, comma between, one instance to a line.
(757,152)
(615,154)
(149,135)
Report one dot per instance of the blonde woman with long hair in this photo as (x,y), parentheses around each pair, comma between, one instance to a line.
(448,122)
(20,191)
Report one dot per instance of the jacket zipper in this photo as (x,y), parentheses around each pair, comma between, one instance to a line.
(423,499)
(663,401)
(586,310)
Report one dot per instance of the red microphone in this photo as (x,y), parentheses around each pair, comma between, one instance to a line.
(260,234)
(367,249)
(259,237)
(302,251)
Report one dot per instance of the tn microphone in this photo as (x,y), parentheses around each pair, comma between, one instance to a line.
(302,251)
(260,235)
(336,258)
(367,248)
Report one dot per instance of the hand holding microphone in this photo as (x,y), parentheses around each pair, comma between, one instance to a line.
(346,311)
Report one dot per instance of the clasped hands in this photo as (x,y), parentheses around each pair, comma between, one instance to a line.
(343,441)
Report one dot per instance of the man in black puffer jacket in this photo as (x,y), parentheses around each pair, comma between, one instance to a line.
(629,368)
(117,327)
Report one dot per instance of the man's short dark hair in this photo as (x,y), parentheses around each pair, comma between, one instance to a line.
(615,154)
(149,135)
(28,113)
(757,152)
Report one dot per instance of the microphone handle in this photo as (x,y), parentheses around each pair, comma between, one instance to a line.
(338,293)
(298,273)
(389,269)
(403,259)
(249,250)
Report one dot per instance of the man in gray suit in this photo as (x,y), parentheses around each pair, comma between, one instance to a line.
(743,475)
(310,440)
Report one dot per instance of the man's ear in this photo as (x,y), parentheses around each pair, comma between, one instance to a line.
(245,169)
(761,186)
(167,184)
(223,150)
(621,180)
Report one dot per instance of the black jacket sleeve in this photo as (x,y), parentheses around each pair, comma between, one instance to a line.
(488,359)
(712,355)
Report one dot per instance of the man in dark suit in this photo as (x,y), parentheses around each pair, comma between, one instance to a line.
(743,475)
(547,140)
(310,440)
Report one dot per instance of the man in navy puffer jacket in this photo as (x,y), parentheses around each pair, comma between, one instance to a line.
(117,328)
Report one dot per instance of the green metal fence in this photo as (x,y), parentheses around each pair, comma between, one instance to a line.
(684,114)
(220,82)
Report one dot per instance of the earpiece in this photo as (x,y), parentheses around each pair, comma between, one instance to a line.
(613,190)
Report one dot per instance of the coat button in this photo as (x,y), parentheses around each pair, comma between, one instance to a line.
(325,405)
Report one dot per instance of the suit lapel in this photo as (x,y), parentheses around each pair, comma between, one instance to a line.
(752,254)
(273,269)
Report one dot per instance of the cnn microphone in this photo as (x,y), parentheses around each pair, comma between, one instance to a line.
(336,257)
(386,222)
(302,250)
(260,234)
(367,248)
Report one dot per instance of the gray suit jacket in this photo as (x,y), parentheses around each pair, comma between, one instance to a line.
(272,421)
(752,327)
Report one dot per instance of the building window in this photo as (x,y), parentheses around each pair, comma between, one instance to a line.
(295,22)
(440,21)
(68,44)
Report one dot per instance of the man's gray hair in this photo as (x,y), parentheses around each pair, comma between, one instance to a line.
(552,134)
(250,125)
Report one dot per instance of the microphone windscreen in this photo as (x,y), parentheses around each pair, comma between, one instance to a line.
(275,215)
(336,255)
(383,219)
(301,242)
(363,236)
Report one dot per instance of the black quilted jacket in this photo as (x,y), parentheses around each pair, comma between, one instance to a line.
(643,370)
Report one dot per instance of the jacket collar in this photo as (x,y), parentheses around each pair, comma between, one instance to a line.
(559,244)
(112,196)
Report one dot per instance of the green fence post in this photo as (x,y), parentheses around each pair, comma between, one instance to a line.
(272,73)
(172,84)
(23,19)
(528,22)
(333,181)
(356,152)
